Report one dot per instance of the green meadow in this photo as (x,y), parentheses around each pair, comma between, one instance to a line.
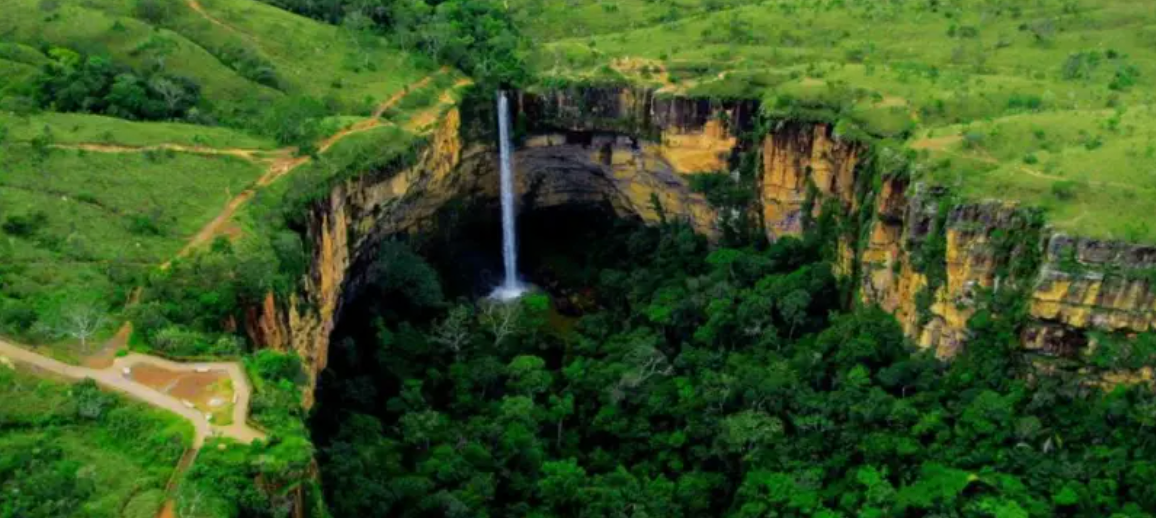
(979,77)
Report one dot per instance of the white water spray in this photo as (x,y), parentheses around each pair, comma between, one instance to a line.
(511,287)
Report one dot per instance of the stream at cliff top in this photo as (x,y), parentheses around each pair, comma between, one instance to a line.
(511,287)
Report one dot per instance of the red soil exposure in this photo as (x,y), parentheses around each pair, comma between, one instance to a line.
(194,387)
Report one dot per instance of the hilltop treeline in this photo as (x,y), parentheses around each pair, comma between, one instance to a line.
(476,36)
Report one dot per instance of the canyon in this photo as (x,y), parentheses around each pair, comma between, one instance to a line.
(912,248)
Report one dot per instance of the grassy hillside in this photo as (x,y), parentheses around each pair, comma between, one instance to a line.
(82,228)
(243,54)
(72,450)
(92,202)
(963,81)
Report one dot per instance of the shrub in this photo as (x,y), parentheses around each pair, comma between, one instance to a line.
(143,225)
(1064,191)
(178,341)
(273,366)
(17,317)
(1080,65)
(24,225)
(252,66)
(155,12)
(91,403)
(1125,77)
(1025,102)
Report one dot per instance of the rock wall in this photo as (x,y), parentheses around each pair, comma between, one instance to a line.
(801,163)
(624,148)
(341,228)
(691,135)
(1088,283)
(1075,285)
(624,171)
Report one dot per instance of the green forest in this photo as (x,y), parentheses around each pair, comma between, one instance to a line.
(676,380)
(299,192)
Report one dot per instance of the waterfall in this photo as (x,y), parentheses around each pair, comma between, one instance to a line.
(511,287)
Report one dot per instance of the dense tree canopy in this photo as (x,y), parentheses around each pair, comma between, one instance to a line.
(72,82)
(709,383)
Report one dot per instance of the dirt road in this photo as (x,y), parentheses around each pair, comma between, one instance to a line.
(114,378)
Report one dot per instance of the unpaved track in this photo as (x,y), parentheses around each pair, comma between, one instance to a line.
(283,166)
(196,6)
(113,378)
(247,154)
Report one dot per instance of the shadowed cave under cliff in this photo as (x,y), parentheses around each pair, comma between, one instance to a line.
(558,254)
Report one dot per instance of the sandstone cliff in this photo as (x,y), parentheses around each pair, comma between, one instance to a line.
(804,163)
(608,165)
(918,254)
(1074,285)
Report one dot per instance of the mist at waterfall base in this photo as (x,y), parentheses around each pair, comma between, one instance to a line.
(511,287)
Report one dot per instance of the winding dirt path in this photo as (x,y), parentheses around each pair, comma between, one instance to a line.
(115,373)
(282,166)
(199,9)
(114,378)
(247,154)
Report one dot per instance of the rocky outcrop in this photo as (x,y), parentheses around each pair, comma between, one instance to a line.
(804,164)
(632,175)
(920,256)
(1074,285)
(691,135)
(1091,284)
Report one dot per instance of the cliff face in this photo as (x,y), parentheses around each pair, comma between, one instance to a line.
(341,228)
(1074,285)
(690,135)
(1091,284)
(921,256)
(801,162)
(560,165)
(927,260)
(610,170)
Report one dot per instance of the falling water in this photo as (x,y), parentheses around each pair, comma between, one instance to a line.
(511,287)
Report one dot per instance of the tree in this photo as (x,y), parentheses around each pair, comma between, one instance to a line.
(562,484)
(81,321)
(747,430)
(501,319)
(528,375)
(170,92)
(454,332)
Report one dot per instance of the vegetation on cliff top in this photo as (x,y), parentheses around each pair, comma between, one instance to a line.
(126,127)
(1047,103)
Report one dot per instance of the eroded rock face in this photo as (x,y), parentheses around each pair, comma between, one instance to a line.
(625,148)
(798,158)
(691,135)
(618,171)
(627,173)
(1078,284)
